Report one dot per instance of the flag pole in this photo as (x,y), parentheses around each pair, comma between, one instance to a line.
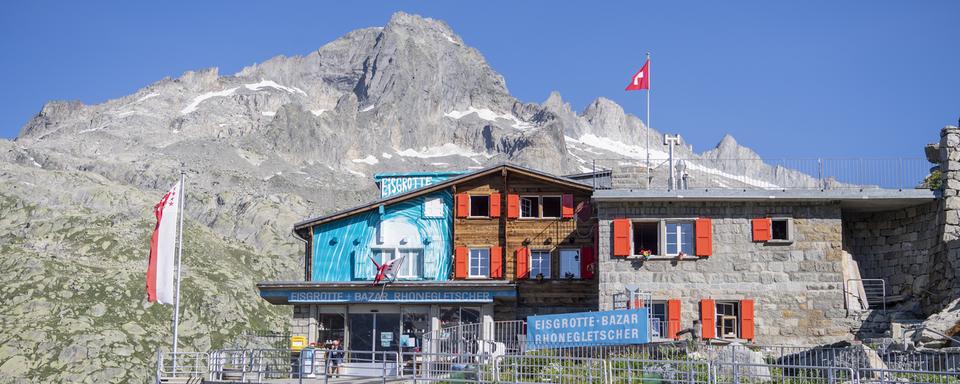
(647,133)
(176,303)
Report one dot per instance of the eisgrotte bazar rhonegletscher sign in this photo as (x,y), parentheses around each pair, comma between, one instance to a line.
(588,328)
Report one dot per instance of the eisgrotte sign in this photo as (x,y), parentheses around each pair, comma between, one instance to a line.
(588,328)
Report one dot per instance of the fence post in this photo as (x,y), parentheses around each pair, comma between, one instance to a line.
(823,184)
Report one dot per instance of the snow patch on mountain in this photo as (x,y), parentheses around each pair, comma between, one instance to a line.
(199,99)
(370,159)
(448,149)
(740,178)
(271,84)
(317,112)
(626,150)
(489,115)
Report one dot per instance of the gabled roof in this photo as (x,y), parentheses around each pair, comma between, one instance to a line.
(300,228)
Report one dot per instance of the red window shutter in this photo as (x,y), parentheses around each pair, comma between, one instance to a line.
(513,206)
(704,233)
(463,205)
(761,229)
(523,269)
(494,205)
(673,318)
(587,264)
(460,263)
(567,206)
(746,319)
(496,262)
(708,319)
(621,237)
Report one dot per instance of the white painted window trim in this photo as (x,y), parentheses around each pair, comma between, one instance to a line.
(560,274)
(418,267)
(692,222)
(536,209)
(549,263)
(470,206)
(542,216)
(470,274)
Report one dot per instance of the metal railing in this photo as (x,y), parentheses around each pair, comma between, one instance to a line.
(648,363)
(182,365)
(767,174)
(869,293)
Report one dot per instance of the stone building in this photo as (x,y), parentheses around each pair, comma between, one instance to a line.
(783,266)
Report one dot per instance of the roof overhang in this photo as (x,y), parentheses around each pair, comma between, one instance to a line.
(363,292)
(300,228)
(854,199)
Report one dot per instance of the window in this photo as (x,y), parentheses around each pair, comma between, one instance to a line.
(646,236)
(728,313)
(540,264)
(529,206)
(479,206)
(433,207)
(552,206)
(679,237)
(479,262)
(781,229)
(570,263)
(658,312)
(409,267)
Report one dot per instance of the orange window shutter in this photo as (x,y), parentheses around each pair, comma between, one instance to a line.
(704,234)
(460,263)
(673,318)
(494,205)
(761,229)
(567,202)
(463,205)
(746,319)
(621,237)
(496,262)
(523,269)
(587,265)
(513,206)
(708,319)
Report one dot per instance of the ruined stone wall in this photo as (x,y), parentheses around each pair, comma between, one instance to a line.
(797,287)
(897,246)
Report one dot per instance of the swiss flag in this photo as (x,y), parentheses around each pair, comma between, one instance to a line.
(641,79)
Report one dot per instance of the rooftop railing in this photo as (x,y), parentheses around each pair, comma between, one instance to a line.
(764,174)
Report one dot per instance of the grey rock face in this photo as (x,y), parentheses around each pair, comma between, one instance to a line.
(276,142)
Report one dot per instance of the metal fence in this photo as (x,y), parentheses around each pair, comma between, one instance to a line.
(751,173)
(652,363)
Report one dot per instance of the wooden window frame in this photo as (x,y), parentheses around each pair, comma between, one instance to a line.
(578,275)
(470,206)
(549,253)
(559,210)
(470,274)
(661,252)
(720,318)
(537,212)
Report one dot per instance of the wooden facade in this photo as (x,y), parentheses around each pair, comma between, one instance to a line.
(511,237)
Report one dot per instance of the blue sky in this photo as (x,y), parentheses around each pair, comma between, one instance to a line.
(790,79)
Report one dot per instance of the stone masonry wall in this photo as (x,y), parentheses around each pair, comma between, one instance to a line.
(897,246)
(797,287)
(944,287)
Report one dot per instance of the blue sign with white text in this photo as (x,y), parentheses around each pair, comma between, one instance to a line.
(588,328)
(394,296)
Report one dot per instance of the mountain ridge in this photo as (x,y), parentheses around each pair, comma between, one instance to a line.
(278,141)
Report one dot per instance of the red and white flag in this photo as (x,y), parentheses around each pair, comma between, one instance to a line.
(387,270)
(641,79)
(160,269)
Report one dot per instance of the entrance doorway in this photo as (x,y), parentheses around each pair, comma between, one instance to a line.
(374,331)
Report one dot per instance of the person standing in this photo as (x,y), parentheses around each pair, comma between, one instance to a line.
(335,356)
